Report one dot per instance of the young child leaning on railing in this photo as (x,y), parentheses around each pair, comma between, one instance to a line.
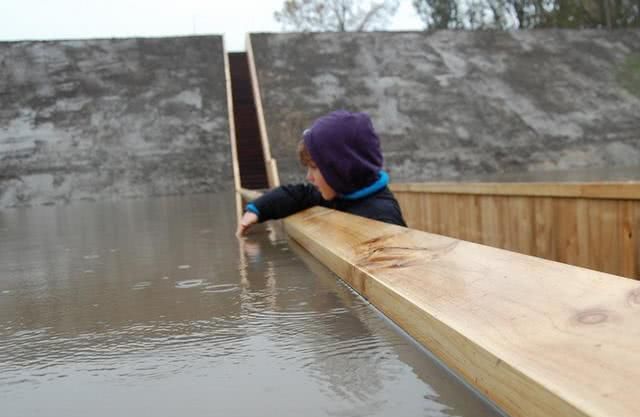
(342,154)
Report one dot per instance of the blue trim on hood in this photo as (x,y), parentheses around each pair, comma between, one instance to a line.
(381,182)
(252,208)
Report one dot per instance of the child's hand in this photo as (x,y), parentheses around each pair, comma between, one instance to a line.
(248,219)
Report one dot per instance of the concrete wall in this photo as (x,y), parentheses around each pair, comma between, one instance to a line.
(96,119)
(458,104)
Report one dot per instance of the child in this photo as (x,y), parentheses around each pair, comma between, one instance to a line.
(344,166)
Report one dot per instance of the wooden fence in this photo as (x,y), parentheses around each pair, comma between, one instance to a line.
(593,225)
(538,338)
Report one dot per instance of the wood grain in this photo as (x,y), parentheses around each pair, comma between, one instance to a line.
(592,232)
(609,190)
(272,170)
(232,139)
(538,338)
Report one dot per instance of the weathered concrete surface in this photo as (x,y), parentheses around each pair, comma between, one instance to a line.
(96,119)
(457,104)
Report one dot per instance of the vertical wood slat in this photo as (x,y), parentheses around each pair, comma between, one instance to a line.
(597,233)
(490,215)
(610,236)
(583,242)
(545,244)
(566,226)
(635,231)
(628,241)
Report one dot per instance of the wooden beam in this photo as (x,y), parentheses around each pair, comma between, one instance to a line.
(270,163)
(232,136)
(514,326)
(249,195)
(609,190)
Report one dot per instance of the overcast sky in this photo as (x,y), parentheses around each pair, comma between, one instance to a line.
(77,19)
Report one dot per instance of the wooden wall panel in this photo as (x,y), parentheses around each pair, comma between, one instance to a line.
(520,227)
(582,241)
(595,226)
(545,244)
(635,230)
(628,240)
(609,238)
(566,227)
(490,215)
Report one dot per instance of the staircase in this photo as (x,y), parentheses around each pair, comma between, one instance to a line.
(251,162)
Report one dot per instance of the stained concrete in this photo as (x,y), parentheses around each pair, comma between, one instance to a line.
(459,104)
(109,119)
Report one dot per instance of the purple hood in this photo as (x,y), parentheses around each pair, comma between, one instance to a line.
(346,149)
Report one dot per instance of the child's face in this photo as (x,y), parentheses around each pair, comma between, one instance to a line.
(314,176)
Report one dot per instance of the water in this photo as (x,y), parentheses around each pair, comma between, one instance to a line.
(152,307)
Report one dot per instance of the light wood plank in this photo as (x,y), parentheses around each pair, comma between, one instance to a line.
(519,224)
(635,230)
(269,162)
(490,220)
(539,338)
(566,229)
(249,195)
(610,236)
(628,239)
(543,215)
(468,215)
(609,190)
(232,137)
(449,220)
(583,245)
(422,210)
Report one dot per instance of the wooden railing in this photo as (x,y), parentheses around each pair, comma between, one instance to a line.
(538,338)
(593,225)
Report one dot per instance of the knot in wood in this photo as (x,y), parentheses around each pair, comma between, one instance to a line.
(594,316)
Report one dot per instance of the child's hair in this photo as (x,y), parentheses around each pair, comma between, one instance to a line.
(303,154)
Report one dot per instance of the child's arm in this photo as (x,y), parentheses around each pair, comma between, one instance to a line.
(248,219)
(278,203)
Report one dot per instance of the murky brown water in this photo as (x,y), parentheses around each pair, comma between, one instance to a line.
(153,308)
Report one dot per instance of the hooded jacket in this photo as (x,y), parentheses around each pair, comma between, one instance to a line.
(346,149)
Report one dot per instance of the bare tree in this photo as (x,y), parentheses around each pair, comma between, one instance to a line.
(525,14)
(335,15)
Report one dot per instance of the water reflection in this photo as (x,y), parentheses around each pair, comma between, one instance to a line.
(441,386)
(153,307)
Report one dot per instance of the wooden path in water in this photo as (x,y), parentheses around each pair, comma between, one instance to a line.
(538,338)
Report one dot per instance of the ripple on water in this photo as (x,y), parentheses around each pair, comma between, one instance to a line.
(141,285)
(189,283)
(220,288)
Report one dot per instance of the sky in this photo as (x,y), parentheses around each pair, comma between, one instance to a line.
(86,19)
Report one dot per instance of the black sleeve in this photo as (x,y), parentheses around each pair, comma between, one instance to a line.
(287,199)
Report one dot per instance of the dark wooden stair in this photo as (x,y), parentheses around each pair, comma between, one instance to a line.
(253,174)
